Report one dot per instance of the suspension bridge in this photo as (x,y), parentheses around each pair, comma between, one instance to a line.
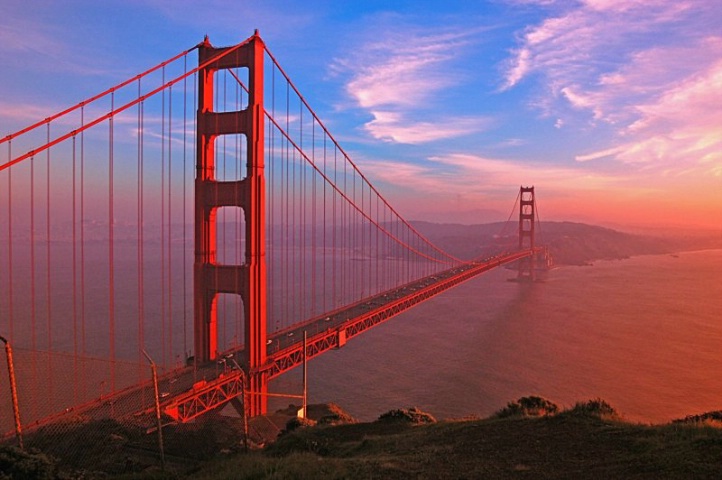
(200,216)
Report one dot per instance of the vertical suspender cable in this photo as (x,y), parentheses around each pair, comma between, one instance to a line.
(355,286)
(195,145)
(286,268)
(271,263)
(314,262)
(82,248)
(48,288)
(224,241)
(378,248)
(215,178)
(301,223)
(333,234)
(169,229)
(75,287)
(368,248)
(184,249)
(294,269)
(11,331)
(343,231)
(325,233)
(237,236)
(163,357)
(139,233)
(111,266)
(33,295)
(170,225)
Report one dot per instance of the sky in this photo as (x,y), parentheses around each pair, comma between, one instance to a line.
(610,108)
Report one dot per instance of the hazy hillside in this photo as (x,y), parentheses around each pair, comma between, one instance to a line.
(570,243)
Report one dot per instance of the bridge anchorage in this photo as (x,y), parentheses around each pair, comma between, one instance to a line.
(316,234)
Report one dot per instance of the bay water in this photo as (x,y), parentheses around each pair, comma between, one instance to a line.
(644,334)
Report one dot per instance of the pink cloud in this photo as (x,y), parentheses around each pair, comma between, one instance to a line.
(24,112)
(581,41)
(404,79)
(651,70)
(394,127)
(474,175)
(577,192)
(398,78)
(676,131)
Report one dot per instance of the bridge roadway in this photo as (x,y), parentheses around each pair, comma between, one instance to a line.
(285,348)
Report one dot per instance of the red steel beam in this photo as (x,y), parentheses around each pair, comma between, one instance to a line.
(205,396)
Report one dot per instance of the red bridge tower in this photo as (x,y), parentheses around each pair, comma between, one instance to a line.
(527,221)
(210,277)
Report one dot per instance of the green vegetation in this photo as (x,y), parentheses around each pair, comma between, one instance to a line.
(529,438)
(15,463)
(407,415)
(529,407)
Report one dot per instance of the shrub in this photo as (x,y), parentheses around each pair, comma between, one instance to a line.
(335,419)
(411,415)
(528,407)
(335,416)
(712,418)
(15,463)
(297,422)
(300,440)
(596,407)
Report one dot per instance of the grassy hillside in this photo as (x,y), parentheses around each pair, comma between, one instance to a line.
(529,438)
(580,443)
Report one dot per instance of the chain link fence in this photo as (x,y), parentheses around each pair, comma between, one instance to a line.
(68,411)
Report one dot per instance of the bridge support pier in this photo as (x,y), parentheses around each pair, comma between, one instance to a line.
(210,277)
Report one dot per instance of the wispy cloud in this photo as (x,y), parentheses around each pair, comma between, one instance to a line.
(37,44)
(479,175)
(400,76)
(650,69)
(22,37)
(584,39)
(395,127)
(578,192)
(402,71)
(609,152)
(24,112)
(676,130)
(505,173)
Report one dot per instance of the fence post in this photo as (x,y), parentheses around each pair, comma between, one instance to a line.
(13,392)
(244,414)
(159,426)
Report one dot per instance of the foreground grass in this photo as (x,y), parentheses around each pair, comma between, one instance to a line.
(588,441)
(571,444)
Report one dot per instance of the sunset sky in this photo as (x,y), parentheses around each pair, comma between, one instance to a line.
(611,108)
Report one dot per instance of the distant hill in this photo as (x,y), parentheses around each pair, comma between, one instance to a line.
(570,243)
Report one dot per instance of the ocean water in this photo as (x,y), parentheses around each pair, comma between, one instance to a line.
(644,334)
